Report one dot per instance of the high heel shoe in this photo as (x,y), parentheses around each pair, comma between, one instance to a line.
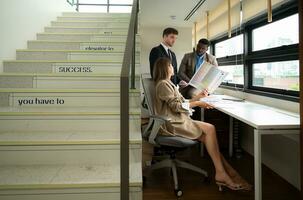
(221,184)
(245,185)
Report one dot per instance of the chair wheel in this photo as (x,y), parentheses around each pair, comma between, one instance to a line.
(178,193)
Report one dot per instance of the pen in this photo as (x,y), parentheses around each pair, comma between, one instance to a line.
(238,100)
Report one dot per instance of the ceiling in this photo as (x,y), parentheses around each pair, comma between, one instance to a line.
(159,12)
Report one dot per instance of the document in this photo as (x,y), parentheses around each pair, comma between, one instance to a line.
(208,77)
(218,101)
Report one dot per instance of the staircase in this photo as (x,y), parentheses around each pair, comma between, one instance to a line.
(60,113)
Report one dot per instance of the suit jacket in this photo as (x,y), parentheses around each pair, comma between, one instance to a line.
(159,52)
(187,67)
(168,102)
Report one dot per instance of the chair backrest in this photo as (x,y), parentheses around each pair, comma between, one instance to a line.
(151,135)
(149,93)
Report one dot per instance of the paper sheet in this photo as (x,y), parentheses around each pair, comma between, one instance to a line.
(207,77)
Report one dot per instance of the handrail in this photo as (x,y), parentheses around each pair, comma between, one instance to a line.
(128,59)
(72,3)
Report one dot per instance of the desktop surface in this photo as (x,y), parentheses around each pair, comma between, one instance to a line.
(256,115)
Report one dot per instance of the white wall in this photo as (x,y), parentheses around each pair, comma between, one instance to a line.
(152,36)
(20,20)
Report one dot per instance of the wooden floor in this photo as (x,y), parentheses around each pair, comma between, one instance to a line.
(159,185)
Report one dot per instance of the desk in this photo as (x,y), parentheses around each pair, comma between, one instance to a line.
(264,119)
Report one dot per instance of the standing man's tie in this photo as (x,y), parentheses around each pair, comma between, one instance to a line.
(169,54)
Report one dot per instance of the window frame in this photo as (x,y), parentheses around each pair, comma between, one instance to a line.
(276,54)
(235,34)
(230,60)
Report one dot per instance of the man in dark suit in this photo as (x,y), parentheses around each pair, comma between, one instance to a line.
(163,50)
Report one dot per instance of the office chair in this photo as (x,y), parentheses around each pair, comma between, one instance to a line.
(169,145)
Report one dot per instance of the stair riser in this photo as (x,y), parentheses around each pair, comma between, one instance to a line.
(66,155)
(38,55)
(102,19)
(70,194)
(62,82)
(108,31)
(91,24)
(77,46)
(65,100)
(102,123)
(83,37)
(64,68)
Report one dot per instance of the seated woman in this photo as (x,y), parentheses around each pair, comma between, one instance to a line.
(169,102)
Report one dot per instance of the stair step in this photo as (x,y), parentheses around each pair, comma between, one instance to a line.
(65,138)
(73,45)
(91,14)
(64,66)
(70,147)
(26,54)
(61,119)
(93,18)
(83,37)
(105,31)
(108,24)
(35,97)
(60,182)
(62,81)
(83,145)
(68,111)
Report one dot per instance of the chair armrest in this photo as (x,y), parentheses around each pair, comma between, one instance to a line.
(154,123)
(151,130)
(158,121)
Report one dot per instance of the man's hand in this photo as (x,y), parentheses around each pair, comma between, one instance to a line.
(183,84)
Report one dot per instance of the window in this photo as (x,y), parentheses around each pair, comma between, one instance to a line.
(229,47)
(229,53)
(235,74)
(112,6)
(280,75)
(275,34)
(263,59)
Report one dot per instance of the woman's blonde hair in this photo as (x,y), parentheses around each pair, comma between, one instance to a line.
(161,69)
